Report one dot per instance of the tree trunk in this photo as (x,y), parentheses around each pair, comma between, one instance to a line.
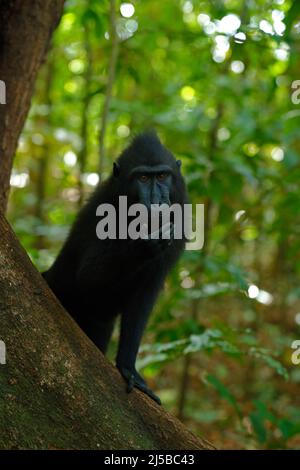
(25,30)
(57,389)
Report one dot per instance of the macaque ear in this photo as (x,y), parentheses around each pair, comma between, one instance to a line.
(116,169)
(178,163)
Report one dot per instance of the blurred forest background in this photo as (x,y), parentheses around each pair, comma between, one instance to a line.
(214,78)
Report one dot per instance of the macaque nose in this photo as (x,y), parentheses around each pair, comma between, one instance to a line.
(156,201)
(155,197)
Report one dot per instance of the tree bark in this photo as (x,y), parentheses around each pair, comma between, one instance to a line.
(25,31)
(57,389)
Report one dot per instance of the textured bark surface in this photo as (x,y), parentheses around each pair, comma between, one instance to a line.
(25,30)
(57,389)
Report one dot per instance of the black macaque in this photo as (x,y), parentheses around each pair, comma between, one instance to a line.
(96,280)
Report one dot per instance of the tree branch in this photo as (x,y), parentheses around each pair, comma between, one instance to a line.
(25,32)
(57,389)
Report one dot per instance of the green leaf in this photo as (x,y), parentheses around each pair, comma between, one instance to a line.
(265,356)
(258,426)
(224,392)
(292,15)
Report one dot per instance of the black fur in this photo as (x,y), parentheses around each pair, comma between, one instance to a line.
(96,280)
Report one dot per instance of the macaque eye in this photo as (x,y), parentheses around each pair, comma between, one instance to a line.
(144,178)
(161,176)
